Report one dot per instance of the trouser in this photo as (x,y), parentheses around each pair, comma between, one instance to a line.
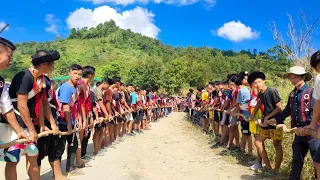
(72,141)
(84,144)
(300,147)
(191,113)
(156,113)
(51,146)
(198,117)
(166,111)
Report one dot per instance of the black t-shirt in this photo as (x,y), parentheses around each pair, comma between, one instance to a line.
(127,96)
(93,100)
(22,83)
(198,100)
(214,93)
(53,110)
(269,98)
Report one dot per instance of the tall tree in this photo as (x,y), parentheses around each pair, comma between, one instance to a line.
(299,43)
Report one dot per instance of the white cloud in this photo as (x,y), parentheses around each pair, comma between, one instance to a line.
(117,2)
(138,20)
(236,31)
(54,24)
(208,3)
(2,24)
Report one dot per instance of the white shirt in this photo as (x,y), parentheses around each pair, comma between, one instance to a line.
(193,97)
(316,91)
(5,101)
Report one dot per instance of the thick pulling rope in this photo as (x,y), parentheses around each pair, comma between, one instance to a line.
(271,122)
(42,134)
(285,129)
(234,114)
(47,133)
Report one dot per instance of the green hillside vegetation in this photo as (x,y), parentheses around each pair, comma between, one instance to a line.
(145,61)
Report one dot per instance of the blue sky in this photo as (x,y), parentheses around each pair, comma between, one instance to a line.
(224,24)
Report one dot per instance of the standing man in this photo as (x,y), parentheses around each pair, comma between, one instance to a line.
(100,129)
(125,109)
(9,126)
(270,99)
(28,93)
(108,97)
(314,125)
(242,104)
(116,106)
(300,108)
(198,104)
(48,145)
(87,134)
(68,100)
(128,100)
(84,107)
(192,103)
(135,114)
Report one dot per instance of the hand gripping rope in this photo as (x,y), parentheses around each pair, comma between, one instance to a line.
(236,114)
(42,134)
(285,129)
(47,133)
(271,122)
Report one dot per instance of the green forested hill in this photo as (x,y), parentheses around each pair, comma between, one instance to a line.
(145,61)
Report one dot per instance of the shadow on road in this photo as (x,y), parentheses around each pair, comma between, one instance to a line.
(47,174)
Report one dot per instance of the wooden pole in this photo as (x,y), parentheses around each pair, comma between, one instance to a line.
(4,28)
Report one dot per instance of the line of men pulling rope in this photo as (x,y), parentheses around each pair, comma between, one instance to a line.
(245,99)
(39,121)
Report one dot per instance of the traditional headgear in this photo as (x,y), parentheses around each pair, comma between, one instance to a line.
(199,88)
(240,78)
(231,75)
(43,56)
(256,75)
(7,43)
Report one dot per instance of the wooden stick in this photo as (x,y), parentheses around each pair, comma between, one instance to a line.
(42,134)
(285,129)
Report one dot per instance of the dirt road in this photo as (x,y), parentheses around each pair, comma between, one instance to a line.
(172,150)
